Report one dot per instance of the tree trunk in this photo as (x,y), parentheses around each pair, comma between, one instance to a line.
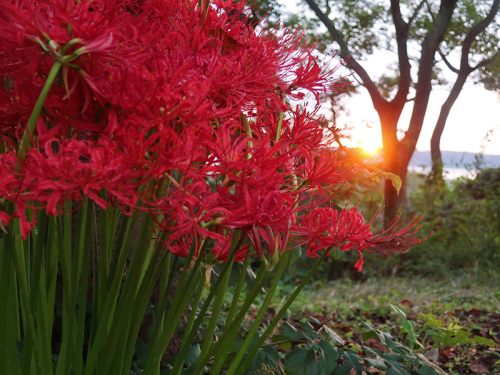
(396,159)
(393,200)
(437,161)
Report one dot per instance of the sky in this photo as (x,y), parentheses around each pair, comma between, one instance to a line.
(474,114)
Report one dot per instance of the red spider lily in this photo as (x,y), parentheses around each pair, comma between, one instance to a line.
(258,208)
(275,242)
(222,249)
(77,169)
(188,101)
(347,229)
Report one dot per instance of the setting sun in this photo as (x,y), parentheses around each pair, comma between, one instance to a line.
(369,146)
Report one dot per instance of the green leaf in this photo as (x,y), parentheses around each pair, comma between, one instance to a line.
(431,320)
(450,337)
(377,362)
(266,356)
(368,335)
(192,355)
(336,339)
(352,361)
(386,339)
(395,179)
(291,333)
(327,357)
(301,361)
(412,335)
(310,332)
(428,368)
(399,369)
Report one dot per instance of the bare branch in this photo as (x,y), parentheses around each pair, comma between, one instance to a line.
(400,24)
(475,31)
(430,46)
(487,61)
(345,53)
(430,11)
(416,12)
(358,81)
(402,29)
(448,64)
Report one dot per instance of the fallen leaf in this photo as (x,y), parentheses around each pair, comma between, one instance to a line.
(479,369)
(432,355)
(352,372)
(395,244)
(373,370)
(406,302)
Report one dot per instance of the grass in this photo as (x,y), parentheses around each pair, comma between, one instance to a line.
(376,295)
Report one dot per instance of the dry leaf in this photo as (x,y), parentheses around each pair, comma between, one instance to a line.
(479,369)
(373,370)
(432,355)
(395,244)
(407,302)
(353,372)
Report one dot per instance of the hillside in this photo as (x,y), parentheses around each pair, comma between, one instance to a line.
(453,159)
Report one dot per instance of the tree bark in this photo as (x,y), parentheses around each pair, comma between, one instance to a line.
(396,159)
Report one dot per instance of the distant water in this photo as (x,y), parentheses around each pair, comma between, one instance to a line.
(450,173)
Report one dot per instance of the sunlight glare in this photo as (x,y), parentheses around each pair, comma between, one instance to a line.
(369,146)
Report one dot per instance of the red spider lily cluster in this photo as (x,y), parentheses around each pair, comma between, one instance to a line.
(180,110)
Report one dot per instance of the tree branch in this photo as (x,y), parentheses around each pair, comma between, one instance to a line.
(430,46)
(416,12)
(451,67)
(345,53)
(475,31)
(430,11)
(487,61)
(402,29)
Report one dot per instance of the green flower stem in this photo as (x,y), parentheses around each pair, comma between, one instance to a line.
(9,315)
(128,293)
(130,310)
(84,241)
(263,309)
(141,308)
(179,303)
(31,344)
(106,235)
(165,288)
(280,123)
(239,288)
(102,323)
(248,130)
(38,296)
(64,243)
(281,313)
(194,307)
(223,344)
(189,336)
(216,309)
(52,264)
(129,307)
(219,359)
(30,128)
